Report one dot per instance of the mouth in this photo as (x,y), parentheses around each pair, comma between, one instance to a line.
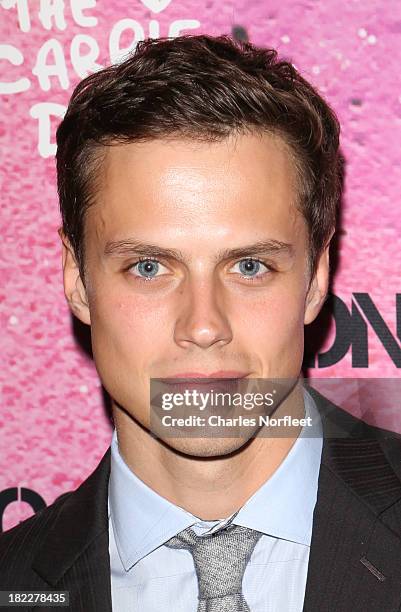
(220,382)
(220,374)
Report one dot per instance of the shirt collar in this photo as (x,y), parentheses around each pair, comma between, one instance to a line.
(282,507)
(141,519)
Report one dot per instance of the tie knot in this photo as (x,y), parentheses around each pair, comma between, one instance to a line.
(220,559)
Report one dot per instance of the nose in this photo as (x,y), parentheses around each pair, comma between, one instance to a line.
(202,319)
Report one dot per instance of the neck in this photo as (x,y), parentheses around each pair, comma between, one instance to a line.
(207,487)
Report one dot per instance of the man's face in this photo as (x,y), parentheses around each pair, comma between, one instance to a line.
(200,305)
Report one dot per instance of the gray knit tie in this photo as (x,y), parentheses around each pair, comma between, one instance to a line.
(220,560)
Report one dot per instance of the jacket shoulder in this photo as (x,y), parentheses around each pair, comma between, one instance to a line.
(347,432)
(19,545)
(37,552)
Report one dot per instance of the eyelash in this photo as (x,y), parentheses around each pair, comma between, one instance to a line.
(249,279)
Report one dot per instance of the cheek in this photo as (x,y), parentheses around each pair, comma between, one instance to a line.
(275,318)
(132,326)
(274,334)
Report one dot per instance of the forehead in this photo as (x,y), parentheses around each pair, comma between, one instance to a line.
(221,186)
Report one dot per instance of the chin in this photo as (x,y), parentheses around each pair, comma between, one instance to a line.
(207,447)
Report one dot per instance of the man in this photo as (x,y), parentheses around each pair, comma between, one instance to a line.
(198,185)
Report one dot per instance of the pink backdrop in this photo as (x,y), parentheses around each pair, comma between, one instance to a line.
(53,425)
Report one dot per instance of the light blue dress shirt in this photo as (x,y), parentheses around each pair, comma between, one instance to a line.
(147,576)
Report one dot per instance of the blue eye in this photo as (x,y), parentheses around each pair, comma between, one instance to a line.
(146,268)
(250,267)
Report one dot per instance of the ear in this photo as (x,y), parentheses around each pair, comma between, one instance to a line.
(74,289)
(318,286)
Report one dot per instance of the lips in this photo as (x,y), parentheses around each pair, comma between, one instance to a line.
(201,383)
(220,381)
(222,374)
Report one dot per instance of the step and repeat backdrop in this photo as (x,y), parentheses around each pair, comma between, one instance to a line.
(54,418)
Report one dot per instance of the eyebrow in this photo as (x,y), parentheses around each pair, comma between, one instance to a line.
(130,247)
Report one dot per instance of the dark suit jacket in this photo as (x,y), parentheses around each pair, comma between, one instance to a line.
(355,556)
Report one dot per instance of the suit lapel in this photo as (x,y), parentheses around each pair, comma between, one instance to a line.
(356,538)
(74,555)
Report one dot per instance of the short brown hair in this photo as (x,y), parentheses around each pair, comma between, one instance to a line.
(199,87)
